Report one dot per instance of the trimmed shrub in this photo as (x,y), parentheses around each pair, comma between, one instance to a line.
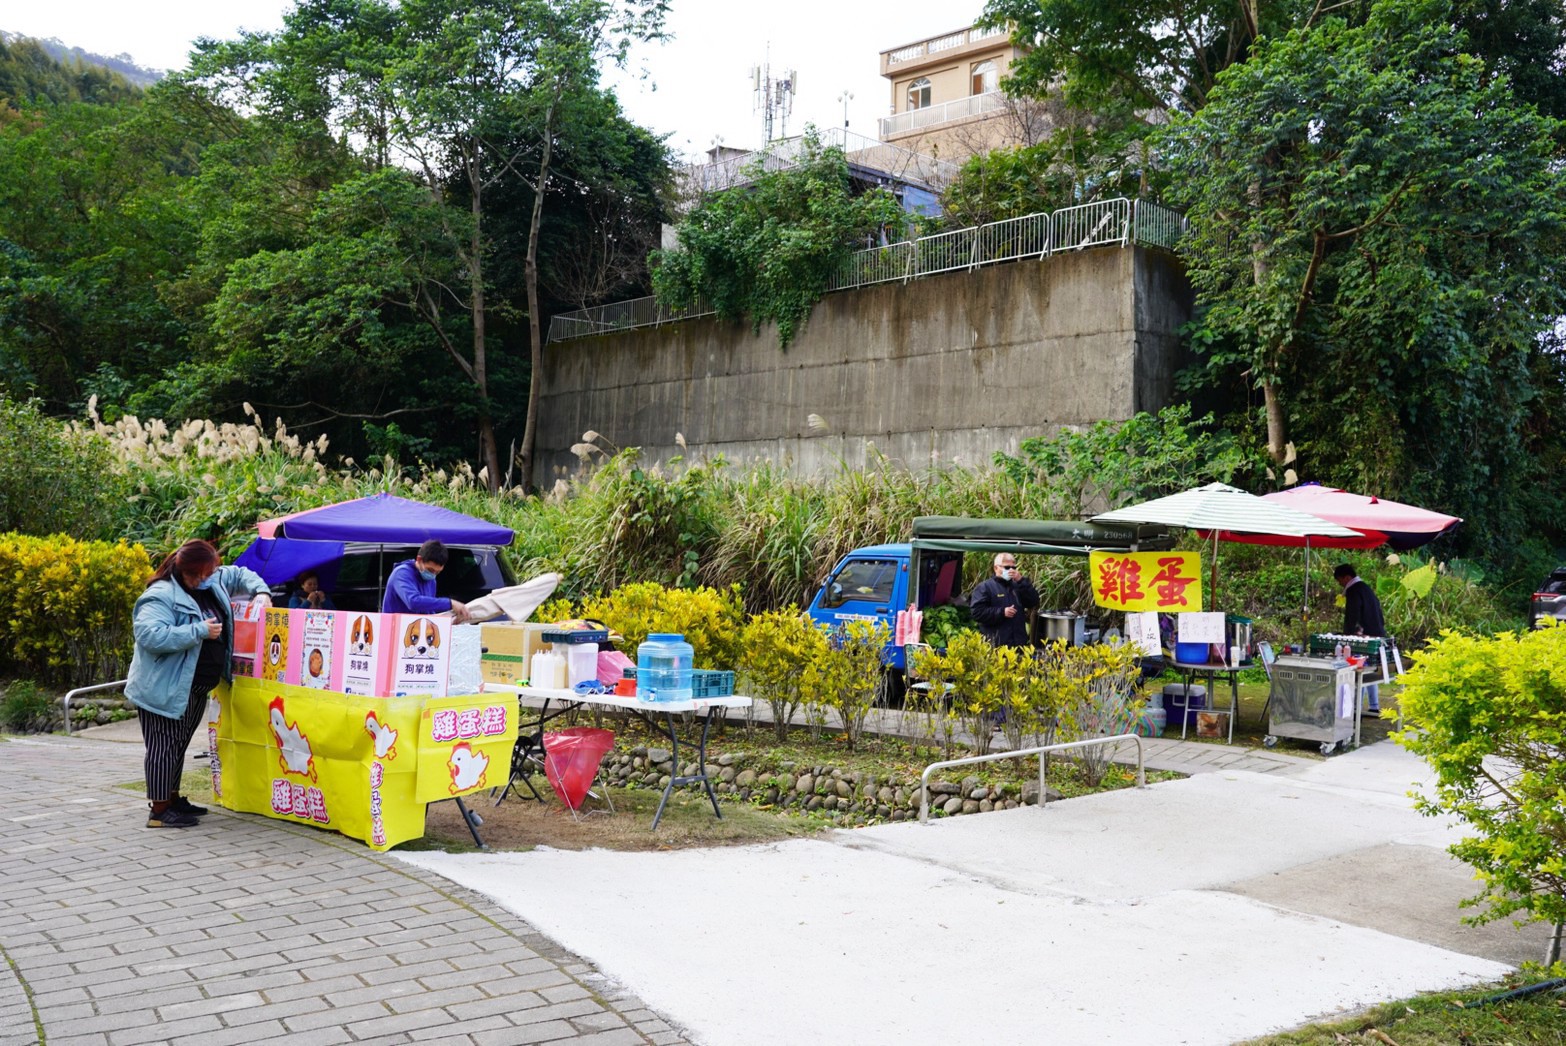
(709,619)
(65,607)
(1489,716)
(24,708)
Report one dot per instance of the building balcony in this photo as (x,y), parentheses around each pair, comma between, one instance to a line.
(937,48)
(930,116)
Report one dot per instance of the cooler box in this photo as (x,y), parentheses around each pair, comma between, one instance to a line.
(1183,702)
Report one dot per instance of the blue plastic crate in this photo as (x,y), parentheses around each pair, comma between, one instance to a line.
(706,682)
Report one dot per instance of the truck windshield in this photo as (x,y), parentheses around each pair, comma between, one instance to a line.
(864,580)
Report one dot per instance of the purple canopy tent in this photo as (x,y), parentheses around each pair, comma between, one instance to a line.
(315,539)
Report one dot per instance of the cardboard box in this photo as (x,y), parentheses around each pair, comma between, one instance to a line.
(320,664)
(421,653)
(365,643)
(273,655)
(509,647)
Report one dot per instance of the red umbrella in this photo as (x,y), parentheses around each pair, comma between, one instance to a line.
(1382,522)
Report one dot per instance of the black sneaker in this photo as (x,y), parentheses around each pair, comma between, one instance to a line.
(185,806)
(169,818)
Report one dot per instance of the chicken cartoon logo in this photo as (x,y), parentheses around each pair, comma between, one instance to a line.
(293,745)
(467,767)
(385,737)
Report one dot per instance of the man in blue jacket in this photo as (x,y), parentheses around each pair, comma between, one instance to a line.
(410,588)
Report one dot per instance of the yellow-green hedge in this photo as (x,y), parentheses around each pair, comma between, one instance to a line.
(65,607)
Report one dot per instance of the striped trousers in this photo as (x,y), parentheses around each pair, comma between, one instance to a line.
(166,740)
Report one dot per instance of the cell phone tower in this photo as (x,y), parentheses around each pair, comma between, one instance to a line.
(774,99)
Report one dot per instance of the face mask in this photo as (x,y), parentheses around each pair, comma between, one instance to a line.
(206,583)
(1009,573)
(427,575)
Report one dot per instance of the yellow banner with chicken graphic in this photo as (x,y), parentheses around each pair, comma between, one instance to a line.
(338,761)
(1170,582)
(465,744)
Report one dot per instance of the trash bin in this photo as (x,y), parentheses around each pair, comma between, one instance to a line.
(571,758)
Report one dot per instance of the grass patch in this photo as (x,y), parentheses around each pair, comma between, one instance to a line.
(1442,1019)
(518,824)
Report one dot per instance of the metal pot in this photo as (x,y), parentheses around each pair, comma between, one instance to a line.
(1239,631)
(1059,624)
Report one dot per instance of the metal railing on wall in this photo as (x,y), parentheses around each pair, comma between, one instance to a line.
(1118,222)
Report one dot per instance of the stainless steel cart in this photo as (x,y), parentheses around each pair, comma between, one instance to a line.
(1313,699)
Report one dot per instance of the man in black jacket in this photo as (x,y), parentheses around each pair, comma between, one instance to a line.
(1361,617)
(1000,604)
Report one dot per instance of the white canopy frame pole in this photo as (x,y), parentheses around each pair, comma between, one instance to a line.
(1305,610)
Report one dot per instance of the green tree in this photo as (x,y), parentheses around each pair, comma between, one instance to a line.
(1086,158)
(93,213)
(56,480)
(1371,218)
(767,251)
(463,95)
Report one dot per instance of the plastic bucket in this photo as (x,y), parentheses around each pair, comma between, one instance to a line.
(1191,653)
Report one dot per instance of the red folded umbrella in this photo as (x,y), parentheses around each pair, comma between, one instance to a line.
(1382,522)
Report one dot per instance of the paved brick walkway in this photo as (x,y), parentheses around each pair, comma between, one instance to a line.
(247,930)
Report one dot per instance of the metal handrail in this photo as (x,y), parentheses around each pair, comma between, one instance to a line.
(65,702)
(1115,222)
(924,779)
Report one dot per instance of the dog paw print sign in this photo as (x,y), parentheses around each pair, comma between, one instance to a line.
(421,653)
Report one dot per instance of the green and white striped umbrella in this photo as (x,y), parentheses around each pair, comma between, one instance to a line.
(1219,507)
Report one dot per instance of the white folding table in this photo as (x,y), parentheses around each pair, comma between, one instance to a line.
(651,711)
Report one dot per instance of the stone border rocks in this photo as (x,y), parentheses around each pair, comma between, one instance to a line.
(846,797)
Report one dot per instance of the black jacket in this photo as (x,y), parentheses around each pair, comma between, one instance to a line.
(1362,611)
(988,605)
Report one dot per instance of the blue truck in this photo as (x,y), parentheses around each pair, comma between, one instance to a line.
(875,582)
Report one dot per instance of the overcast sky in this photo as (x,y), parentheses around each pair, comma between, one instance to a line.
(698,85)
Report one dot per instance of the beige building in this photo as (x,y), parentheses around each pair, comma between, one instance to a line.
(946,97)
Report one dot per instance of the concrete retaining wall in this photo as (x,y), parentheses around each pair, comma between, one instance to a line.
(944,369)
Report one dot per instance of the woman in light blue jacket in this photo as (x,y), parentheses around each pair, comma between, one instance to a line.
(184,641)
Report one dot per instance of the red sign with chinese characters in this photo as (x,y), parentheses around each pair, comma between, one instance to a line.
(1170,582)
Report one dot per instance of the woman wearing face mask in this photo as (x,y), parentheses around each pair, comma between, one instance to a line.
(410,587)
(184,639)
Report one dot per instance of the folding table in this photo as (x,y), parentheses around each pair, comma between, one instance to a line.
(659,714)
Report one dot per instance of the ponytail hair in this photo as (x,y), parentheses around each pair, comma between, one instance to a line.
(194,555)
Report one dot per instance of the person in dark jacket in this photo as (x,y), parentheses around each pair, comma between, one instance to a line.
(410,587)
(1361,617)
(309,595)
(184,629)
(1001,604)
